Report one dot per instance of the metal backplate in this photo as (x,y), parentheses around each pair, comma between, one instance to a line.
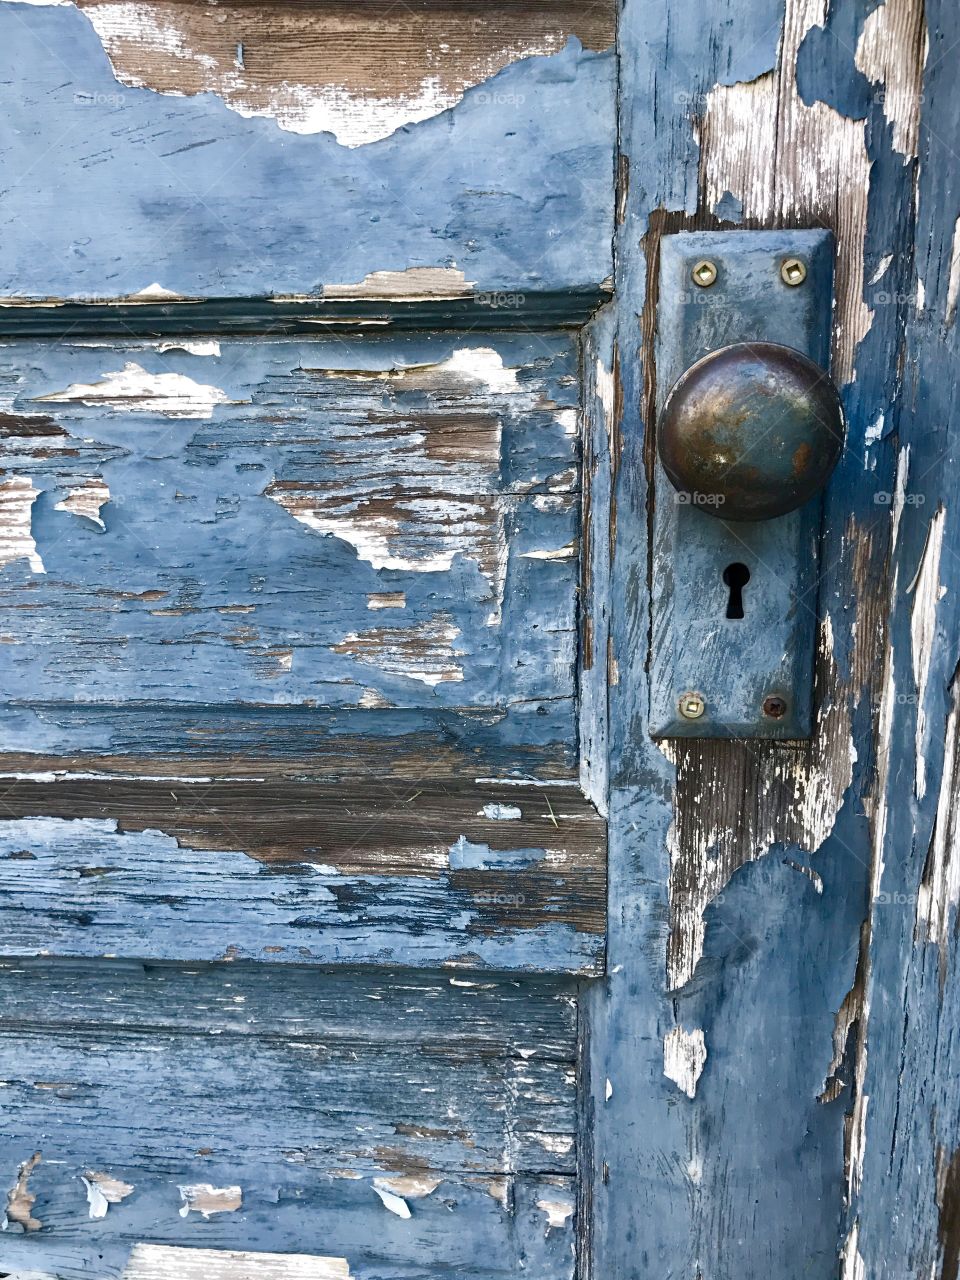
(735,665)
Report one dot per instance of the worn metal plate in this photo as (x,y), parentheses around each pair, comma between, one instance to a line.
(735,664)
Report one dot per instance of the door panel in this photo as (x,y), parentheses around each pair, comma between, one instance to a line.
(290,531)
(217,1108)
(381,523)
(197,151)
(235,566)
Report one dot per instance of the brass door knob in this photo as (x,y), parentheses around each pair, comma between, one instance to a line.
(751,431)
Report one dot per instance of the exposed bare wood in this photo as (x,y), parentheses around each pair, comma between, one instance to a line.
(358,71)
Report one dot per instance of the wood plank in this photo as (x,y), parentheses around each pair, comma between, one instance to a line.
(719,1046)
(283,523)
(160,1262)
(512,1016)
(304,1098)
(902,1016)
(526,741)
(518,197)
(424,873)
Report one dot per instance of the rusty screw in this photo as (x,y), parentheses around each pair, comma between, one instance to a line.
(793,271)
(704,273)
(692,706)
(775,708)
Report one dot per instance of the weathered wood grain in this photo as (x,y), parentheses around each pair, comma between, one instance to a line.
(738,872)
(453,1097)
(903,1211)
(510,191)
(426,872)
(162,1262)
(254,503)
(357,71)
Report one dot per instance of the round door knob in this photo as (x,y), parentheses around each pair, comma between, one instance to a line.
(751,431)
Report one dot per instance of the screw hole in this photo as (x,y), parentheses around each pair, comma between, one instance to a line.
(735,577)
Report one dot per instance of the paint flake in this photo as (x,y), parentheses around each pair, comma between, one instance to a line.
(202,1198)
(557,1211)
(415,284)
(396,1204)
(132,388)
(103,1191)
(166,1262)
(927,591)
(684,1057)
(501,812)
(408,1187)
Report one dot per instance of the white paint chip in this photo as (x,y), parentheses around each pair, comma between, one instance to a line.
(557,1211)
(558,1144)
(927,591)
(558,553)
(132,388)
(154,293)
(953,283)
(939,892)
(202,1198)
(192,346)
(415,284)
(396,1204)
(408,1186)
(500,812)
(103,1191)
(684,1057)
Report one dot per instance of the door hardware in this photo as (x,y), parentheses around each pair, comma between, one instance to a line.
(749,430)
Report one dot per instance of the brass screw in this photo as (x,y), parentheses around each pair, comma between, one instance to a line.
(793,271)
(775,708)
(692,706)
(704,273)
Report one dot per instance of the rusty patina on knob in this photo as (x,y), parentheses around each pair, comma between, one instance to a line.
(751,431)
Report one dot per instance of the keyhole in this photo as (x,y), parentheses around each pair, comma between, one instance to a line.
(736,576)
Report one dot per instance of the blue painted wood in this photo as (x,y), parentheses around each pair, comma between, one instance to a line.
(425,872)
(735,664)
(903,1216)
(717,1066)
(458,1095)
(290,523)
(744,1178)
(512,187)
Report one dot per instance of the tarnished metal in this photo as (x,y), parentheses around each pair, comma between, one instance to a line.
(774,707)
(734,602)
(793,271)
(751,431)
(691,706)
(704,273)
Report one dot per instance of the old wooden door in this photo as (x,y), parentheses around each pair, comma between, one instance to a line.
(354,924)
